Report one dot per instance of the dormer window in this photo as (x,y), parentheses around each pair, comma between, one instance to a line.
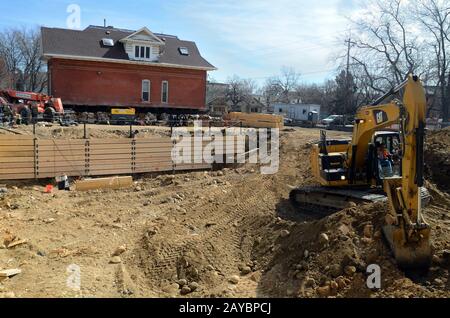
(183,50)
(142,52)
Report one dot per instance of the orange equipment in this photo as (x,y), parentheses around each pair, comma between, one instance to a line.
(28,103)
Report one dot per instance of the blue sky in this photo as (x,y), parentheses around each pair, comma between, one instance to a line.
(249,38)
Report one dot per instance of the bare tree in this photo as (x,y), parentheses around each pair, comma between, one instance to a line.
(434,16)
(10,53)
(239,90)
(287,82)
(271,91)
(386,49)
(20,49)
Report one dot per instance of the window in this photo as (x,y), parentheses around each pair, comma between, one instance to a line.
(108,42)
(145,90)
(142,52)
(183,50)
(165,92)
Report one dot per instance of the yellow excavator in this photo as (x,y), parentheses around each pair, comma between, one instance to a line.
(379,163)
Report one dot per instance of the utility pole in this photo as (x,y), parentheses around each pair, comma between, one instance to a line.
(347,79)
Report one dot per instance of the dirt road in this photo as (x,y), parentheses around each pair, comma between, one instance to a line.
(230,233)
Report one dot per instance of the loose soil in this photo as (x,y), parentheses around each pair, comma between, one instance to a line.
(230,233)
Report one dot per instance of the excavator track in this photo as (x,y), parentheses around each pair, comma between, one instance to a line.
(318,201)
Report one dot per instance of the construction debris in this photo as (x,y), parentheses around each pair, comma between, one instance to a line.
(104,183)
(17,242)
(10,272)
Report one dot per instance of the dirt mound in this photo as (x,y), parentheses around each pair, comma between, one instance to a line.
(289,258)
(329,257)
(437,158)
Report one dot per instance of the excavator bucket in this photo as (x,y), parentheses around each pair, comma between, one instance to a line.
(409,254)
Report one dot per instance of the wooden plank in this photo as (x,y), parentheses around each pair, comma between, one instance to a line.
(16,159)
(192,166)
(59,154)
(102,172)
(61,142)
(104,183)
(16,154)
(68,166)
(19,138)
(16,148)
(16,176)
(110,161)
(94,151)
(12,164)
(154,169)
(16,170)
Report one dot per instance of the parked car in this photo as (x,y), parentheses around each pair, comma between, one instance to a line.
(288,121)
(330,119)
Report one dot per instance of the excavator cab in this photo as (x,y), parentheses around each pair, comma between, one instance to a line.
(384,157)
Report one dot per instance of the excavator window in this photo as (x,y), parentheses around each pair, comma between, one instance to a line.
(386,156)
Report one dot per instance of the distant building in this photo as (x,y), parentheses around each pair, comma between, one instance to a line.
(106,66)
(218,103)
(295,111)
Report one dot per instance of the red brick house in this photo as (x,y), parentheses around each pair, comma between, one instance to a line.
(110,67)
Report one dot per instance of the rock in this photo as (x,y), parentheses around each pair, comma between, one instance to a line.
(209,267)
(220,173)
(350,270)
(8,295)
(185,290)
(323,291)
(446,257)
(438,281)
(234,279)
(323,239)
(120,250)
(256,276)
(115,260)
(341,282)
(310,282)
(335,270)
(306,254)
(368,230)
(182,282)
(366,240)
(49,220)
(334,285)
(246,270)
(194,286)
(436,259)
(138,189)
(171,288)
(343,229)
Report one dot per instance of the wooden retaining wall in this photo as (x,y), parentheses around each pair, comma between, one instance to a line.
(33,158)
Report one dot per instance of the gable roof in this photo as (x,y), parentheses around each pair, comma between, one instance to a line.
(143,30)
(87,45)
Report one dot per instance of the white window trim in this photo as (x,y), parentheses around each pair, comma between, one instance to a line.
(149,91)
(167,94)
(145,52)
